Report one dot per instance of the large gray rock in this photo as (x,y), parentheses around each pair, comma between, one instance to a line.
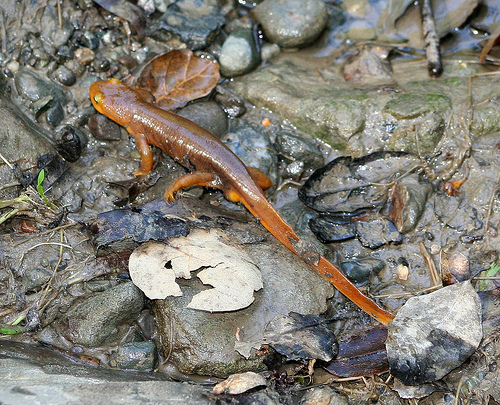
(219,343)
(98,319)
(204,343)
(31,374)
(435,333)
(327,110)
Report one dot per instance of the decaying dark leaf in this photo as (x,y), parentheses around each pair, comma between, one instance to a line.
(361,353)
(299,336)
(349,184)
(177,77)
(128,11)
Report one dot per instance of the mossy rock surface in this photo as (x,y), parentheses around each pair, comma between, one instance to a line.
(411,105)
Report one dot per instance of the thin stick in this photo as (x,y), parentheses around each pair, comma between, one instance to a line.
(490,204)
(487,278)
(459,388)
(432,51)
(42,308)
(59,13)
(489,44)
(435,279)
(4,31)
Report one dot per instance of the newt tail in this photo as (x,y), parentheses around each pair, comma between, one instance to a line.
(214,165)
(282,231)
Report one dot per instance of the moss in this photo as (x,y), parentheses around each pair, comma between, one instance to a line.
(411,105)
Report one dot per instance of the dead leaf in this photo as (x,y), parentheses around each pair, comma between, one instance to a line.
(230,270)
(177,77)
(299,336)
(361,353)
(128,11)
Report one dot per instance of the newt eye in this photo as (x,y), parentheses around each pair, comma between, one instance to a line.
(98,97)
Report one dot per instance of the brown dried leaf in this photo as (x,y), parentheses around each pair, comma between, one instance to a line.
(177,77)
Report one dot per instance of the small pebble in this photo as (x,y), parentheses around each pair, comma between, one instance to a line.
(101,64)
(360,270)
(128,61)
(269,51)
(89,40)
(55,114)
(103,128)
(13,66)
(76,67)
(84,55)
(239,54)
(65,76)
(70,141)
(230,102)
(139,356)
(323,395)
(64,53)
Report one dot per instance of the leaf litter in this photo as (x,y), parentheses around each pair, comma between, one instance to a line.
(178,77)
(223,263)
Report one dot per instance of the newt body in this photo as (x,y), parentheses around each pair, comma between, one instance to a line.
(214,165)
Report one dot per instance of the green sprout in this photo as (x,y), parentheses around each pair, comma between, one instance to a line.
(41,191)
(491,272)
(11,329)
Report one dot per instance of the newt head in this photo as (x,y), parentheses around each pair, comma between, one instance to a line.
(114,99)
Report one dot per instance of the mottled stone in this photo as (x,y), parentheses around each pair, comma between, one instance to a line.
(435,333)
(98,319)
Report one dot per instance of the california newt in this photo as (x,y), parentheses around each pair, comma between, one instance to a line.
(212,165)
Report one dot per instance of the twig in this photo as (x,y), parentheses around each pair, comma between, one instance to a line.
(9,185)
(435,279)
(457,395)
(410,293)
(59,13)
(8,215)
(49,282)
(489,44)
(432,51)
(490,204)
(45,233)
(487,278)
(3,30)
(42,244)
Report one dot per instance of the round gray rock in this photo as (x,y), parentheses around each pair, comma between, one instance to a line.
(239,54)
(291,23)
(98,319)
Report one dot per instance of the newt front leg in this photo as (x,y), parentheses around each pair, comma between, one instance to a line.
(146,153)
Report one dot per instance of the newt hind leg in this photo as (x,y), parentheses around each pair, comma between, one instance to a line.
(210,180)
(261,178)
